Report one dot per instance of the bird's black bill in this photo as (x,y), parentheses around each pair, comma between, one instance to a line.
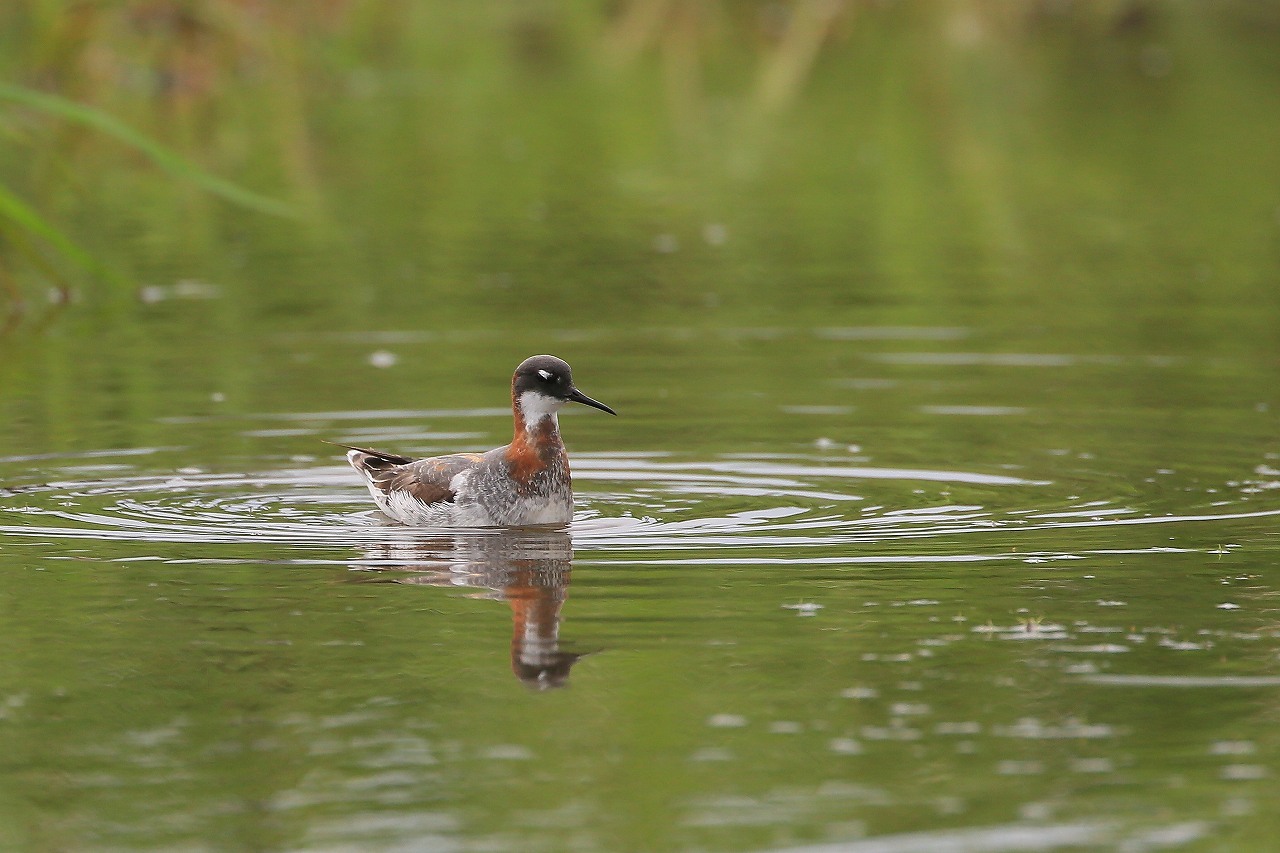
(577,396)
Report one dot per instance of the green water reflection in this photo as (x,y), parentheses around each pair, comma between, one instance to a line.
(941,509)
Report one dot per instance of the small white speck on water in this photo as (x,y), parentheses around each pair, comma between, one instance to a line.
(859,693)
(1035,811)
(666,244)
(715,233)
(1183,645)
(1227,605)
(1233,747)
(895,732)
(186,288)
(804,608)
(1243,772)
(382,358)
(508,752)
(1030,728)
(726,721)
(495,281)
(1020,768)
(949,806)
(817,410)
(218,397)
(1237,807)
(845,746)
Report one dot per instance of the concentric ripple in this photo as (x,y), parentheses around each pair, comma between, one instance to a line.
(771,509)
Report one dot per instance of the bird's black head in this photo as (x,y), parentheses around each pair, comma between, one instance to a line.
(548,376)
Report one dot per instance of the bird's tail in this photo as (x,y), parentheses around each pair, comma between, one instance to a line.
(363,457)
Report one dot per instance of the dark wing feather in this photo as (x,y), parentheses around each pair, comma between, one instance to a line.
(375,456)
(426,479)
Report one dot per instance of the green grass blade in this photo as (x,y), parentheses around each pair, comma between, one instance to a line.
(161,156)
(18,212)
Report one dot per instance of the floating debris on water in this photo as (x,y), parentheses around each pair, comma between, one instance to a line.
(508,752)
(845,746)
(666,244)
(1233,747)
(1243,772)
(187,288)
(804,608)
(383,358)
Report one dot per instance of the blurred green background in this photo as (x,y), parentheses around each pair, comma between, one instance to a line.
(188,185)
(496,163)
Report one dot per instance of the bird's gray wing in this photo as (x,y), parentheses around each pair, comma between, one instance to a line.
(428,480)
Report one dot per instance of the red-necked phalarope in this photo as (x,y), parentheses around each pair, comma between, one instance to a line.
(526,482)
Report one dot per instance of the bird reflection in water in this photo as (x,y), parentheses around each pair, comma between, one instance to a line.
(529,569)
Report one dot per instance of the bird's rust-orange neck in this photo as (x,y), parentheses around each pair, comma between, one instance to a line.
(531,450)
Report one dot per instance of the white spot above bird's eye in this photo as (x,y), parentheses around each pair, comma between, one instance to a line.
(545,374)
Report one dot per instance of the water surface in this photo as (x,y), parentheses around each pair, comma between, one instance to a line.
(1060,636)
(941,509)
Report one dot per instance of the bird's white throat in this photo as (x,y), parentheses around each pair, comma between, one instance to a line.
(534,407)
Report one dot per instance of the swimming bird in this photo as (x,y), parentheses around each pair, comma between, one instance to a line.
(524,483)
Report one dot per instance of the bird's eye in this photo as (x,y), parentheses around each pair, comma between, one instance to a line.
(546,375)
